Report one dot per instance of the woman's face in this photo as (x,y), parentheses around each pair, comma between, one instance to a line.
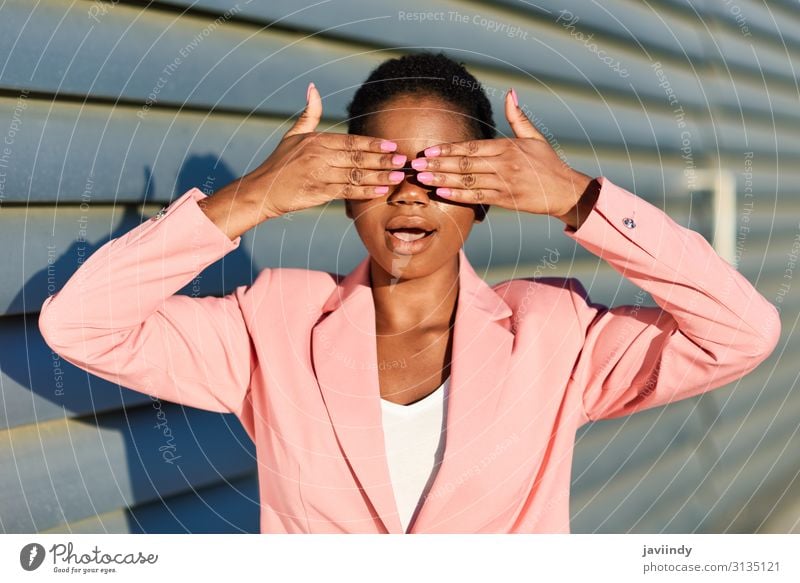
(411,232)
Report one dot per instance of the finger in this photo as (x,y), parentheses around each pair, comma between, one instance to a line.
(470,195)
(309,118)
(467,181)
(467,148)
(352,192)
(456,164)
(519,122)
(368,160)
(362,177)
(350,142)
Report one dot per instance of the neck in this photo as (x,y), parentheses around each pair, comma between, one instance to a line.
(423,302)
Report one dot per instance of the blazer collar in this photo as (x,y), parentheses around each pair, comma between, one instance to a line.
(344,354)
(477,292)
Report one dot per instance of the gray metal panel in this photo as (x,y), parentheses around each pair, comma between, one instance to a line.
(633,23)
(630,502)
(230,507)
(92,154)
(69,470)
(36,385)
(627,20)
(125,55)
(755,21)
(131,54)
(756,58)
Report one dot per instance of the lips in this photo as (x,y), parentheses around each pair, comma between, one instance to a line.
(408,233)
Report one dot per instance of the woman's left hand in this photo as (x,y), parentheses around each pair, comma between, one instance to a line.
(523,173)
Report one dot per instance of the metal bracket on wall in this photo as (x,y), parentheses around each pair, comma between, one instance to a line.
(719,207)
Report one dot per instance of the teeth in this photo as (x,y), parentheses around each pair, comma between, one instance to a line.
(406,236)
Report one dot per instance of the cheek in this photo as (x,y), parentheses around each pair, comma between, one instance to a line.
(457,222)
(366,219)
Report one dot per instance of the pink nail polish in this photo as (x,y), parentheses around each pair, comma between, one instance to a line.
(419,164)
(433,151)
(444,192)
(398,160)
(514,97)
(425,176)
(308,91)
(381,189)
(396,176)
(388,146)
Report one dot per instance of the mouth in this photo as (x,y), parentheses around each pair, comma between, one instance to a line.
(409,240)
(410,234)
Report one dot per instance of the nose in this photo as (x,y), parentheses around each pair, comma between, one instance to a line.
(410,190)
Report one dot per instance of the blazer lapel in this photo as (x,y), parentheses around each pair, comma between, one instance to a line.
(481,354)
(344,352)
(345,356)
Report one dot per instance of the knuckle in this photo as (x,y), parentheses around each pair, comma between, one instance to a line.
(355,176)
(349,141)
(386,160)
(468,180)
(464,164)
(356,157)
(347,190)
(478,194)
(472,146)
(433,164)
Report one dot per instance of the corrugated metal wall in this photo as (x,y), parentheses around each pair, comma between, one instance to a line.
(110,110)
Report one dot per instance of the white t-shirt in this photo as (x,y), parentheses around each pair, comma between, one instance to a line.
(414,447)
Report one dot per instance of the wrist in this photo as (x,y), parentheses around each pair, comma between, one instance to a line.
(233,209)
(586,190)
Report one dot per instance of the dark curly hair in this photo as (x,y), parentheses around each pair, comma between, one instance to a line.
(428,74)
(425,73)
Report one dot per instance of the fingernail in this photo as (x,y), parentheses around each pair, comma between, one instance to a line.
(514,97)
(381,189)
(425,176)
(388,146)
(419,164)
(444,192)
(396,176)
(308,91)
(398,160)
(433,151)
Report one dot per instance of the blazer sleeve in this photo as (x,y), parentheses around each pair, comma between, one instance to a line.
(711,326)
(117,317)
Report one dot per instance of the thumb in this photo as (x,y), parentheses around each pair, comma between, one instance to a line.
(309,118)
(519,122)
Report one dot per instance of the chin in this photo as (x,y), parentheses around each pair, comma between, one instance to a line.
(403,266)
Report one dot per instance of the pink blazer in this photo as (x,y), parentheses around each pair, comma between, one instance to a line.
(294,357)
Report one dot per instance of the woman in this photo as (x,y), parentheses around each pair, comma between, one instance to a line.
(475,432)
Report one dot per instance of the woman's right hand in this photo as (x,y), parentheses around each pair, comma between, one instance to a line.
(306,169)
(310,168)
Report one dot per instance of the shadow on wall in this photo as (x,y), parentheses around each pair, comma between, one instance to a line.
(123,448)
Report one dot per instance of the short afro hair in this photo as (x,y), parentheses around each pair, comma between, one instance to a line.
(429,74)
